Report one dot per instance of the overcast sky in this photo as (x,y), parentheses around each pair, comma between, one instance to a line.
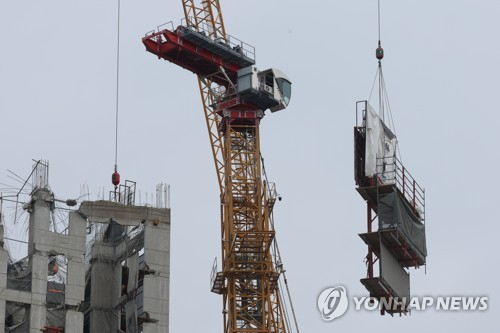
(442,69)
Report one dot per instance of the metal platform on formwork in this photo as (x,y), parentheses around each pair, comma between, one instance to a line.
(397,243)
(389,301)
(371,193)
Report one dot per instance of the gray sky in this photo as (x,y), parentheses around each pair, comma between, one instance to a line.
(57,102)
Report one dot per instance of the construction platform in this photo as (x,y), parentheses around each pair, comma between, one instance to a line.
(372,193)
(397,243)
(390,302)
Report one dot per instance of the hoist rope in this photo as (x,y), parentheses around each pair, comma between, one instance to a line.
(381,85)
(277,258)
(379,21)
(380,77)
(278,255)
(117,84)
(384,104)
(373,85)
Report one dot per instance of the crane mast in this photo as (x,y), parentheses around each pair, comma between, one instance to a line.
(234,97)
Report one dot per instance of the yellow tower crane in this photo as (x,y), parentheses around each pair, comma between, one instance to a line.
(235,95)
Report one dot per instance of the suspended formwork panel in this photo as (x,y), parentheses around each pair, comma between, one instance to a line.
(395,211)
(392,287)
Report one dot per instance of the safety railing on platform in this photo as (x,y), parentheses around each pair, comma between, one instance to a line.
(229,41)
(270,194)
(213,274)
(157,35)
(392,171)
(165,26)
(361,107)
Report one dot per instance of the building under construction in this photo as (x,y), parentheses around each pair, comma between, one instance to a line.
(107,271)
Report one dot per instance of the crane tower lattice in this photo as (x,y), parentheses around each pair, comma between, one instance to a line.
(234,95)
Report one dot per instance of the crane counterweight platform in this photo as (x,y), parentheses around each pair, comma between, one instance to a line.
(198,53)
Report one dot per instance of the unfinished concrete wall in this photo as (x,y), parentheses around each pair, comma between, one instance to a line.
(43,244)
(127,277)
(146,306)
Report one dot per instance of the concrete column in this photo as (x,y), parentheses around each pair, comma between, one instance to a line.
(39,264)
(38,317)
(75,283)
(156,287)
(74,321)
(2,315)
(38,313)
(40,216)
(156,300)
(3,285)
